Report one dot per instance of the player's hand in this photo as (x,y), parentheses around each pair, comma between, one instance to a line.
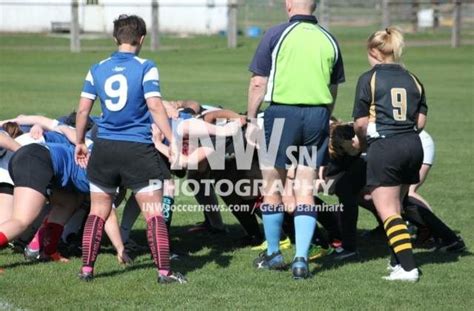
(123,258)
(81,155)
(172,112)
(36,132)
(157,134)
(252,134)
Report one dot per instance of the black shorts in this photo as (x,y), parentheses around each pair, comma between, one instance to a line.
(31,167)
(133,165)
(394,161)
(6,188)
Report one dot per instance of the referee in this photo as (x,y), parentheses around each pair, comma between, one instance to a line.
(296,69)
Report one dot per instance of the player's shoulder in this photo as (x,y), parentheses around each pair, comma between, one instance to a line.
(97,65)
(143,62)
(102,62)
(327,33)
(414,76)
(367,76)
(277,30)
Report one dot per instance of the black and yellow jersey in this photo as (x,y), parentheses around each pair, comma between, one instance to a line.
(391,97)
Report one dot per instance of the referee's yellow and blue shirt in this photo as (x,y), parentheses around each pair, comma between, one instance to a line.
(301,60)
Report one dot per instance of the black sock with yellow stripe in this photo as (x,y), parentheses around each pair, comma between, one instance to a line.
(400,241)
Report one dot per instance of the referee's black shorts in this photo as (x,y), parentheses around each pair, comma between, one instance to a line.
(394,161)
(133,165)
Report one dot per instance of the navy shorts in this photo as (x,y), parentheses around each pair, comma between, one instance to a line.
(305,130)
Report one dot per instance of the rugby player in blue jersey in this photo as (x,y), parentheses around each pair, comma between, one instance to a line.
(123,154)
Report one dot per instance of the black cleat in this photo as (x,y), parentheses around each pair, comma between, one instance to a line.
(345,255)
(272,262)
(300,269)
(457,246)
(174,277)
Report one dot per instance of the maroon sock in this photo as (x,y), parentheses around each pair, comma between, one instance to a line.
(36,242)
(91,241)
(159,245)
(51,237)
(3,240)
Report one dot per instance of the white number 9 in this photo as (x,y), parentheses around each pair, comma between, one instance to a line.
(120,92)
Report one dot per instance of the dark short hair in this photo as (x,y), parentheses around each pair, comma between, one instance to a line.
(129,29)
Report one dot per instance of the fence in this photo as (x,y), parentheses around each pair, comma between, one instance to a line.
(453,18)
(436,16)
(79,16)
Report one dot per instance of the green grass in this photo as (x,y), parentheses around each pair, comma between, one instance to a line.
(38,75)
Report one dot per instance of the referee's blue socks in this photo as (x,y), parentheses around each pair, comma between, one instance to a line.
(272,216)
(305,224)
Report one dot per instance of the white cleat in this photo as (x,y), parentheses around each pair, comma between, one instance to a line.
(391,268)
(399,274)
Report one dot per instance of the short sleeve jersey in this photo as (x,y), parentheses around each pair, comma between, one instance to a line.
(391,97)
(301,59)
(123,82)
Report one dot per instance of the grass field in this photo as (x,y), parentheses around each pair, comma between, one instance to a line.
(39,75)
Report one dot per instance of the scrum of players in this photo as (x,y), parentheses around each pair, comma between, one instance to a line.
(61,180)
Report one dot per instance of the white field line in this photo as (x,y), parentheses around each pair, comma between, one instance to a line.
(8,306)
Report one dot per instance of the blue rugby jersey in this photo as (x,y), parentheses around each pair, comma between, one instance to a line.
(66,172)
(55,137)
(123,82)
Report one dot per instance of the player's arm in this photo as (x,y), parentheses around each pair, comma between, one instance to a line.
(67,131)
(88,96)
(361,110)
(256,94)
(171,110)
(360,129)
(212,116)
(82,116)
(45,122)
(333,89)
(81,153)
(158,113)
(422,111)
(420,121)
(8,143)
(158,137)
(337,76)
(199,128)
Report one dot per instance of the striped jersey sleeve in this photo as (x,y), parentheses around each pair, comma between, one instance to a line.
(88,89)
(151,81)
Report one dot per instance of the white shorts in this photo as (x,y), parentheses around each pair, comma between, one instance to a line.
(428,148)
(153,186)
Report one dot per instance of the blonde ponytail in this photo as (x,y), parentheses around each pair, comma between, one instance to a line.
(389,42)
